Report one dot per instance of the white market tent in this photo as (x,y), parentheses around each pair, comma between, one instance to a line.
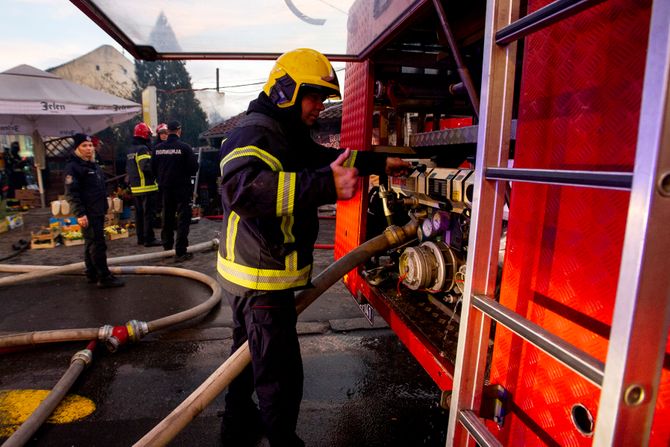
(32,99)
(38,103)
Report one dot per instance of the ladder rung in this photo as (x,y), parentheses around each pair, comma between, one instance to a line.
(477,429)
(579,361)
(541,18)
(610,180)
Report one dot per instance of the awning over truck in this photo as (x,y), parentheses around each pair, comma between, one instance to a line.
(250,29)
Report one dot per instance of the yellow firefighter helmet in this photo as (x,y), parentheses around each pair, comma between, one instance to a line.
(297,69)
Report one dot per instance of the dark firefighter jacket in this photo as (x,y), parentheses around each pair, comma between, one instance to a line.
(85,187)
(174,163)
(138,168)
(274,178)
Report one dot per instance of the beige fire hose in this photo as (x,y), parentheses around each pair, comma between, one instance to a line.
(46,271)
(193,405)
(138,329)
(133,331)
(106,333)
(25,432)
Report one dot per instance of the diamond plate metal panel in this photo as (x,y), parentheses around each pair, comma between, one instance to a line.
(458,135)
(579,109)
(356,134)
(370,20)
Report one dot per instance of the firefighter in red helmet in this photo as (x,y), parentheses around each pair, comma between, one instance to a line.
(274,177)
(143,185)
(161,132)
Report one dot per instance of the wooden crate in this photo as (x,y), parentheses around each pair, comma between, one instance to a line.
(45,238)
(114,236)
(72,242)
(111,219)
(28,197)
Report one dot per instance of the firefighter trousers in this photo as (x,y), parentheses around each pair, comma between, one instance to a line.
(145,206)
(176,215)
(268,321)
(95,248)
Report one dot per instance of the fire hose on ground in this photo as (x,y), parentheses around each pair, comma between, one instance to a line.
(193,405)
(78,363)
(112,336)
(176,421)
(30,272)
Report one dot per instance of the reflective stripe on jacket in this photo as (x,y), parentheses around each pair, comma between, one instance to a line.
(264,255)
(138,167)
(273,179)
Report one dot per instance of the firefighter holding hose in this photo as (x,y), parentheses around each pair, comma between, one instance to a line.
(274,178)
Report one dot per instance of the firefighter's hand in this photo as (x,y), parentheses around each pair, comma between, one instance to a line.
(346,179)
(82,221)
(397,166)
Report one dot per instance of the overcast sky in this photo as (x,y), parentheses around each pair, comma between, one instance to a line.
(47,33)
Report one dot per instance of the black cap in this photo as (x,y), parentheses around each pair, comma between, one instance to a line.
(79,138)
(174,125)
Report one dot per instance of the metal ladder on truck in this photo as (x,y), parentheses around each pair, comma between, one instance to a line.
(629,379)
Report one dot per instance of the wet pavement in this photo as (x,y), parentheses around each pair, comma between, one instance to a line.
(362,388)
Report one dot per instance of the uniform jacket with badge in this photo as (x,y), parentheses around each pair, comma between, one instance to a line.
(138,167)
(85,187)
(174,163)
(274,178)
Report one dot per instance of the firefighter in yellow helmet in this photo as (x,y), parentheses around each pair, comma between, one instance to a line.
(274,178)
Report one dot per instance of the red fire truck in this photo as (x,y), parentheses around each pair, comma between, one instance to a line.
(537,292)
(559,335)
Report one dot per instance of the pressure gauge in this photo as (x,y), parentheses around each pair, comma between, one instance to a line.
(427,228)
(440,222)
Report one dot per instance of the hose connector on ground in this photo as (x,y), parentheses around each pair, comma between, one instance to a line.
(132,331)
(105,332)
(85,356)
(137,330)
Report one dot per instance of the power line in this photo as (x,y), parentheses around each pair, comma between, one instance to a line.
(182,90)
(334,7)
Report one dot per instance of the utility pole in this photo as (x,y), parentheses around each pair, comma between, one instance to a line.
(149,109)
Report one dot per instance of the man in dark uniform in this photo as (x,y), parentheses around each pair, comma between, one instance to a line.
(15,167)
(143,185)
(86,192)
(174,163)
(274,177)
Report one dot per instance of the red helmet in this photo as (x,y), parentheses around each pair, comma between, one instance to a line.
(142,131)
(162,127)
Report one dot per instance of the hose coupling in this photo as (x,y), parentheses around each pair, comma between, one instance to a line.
(85,356)
(137,330)
(105,332)
(393,234)
(396,235)
(215,242)
(132,331)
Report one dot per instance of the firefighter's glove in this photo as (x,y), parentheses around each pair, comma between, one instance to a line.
(346,179)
